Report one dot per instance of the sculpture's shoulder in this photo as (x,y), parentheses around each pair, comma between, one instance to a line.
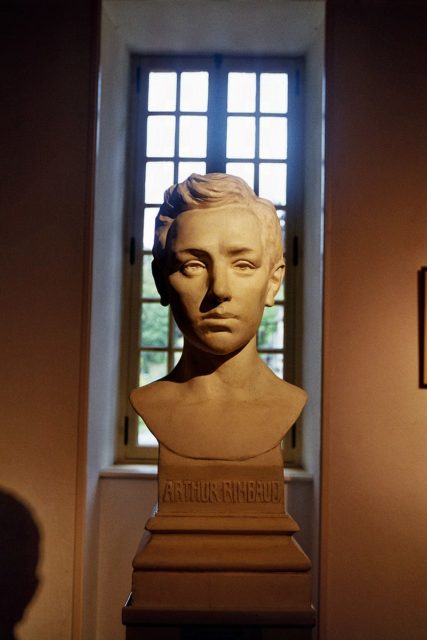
(287,396)
(154,402)
(232,428)
(152,394)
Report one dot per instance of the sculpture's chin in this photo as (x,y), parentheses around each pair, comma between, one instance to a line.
(216,342)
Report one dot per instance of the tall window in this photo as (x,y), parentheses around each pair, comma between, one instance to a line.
(201,115)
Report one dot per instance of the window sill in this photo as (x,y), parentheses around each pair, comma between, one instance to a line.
(149,472)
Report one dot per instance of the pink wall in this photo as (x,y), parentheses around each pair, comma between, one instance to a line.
(47,110)
(374,494)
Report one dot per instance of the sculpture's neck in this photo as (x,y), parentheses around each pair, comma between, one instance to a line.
(210,375)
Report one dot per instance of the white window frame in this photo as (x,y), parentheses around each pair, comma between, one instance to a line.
(127,449)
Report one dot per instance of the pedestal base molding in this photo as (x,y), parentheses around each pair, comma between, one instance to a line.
(241,597)
(225,571)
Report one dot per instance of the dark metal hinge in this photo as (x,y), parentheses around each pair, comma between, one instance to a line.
(295,251)
(294,435)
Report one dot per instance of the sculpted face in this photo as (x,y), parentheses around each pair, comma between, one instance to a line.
(219,277)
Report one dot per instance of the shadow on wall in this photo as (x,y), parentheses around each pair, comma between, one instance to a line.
(19,554)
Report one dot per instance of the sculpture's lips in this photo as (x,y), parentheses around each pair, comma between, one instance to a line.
(218,316)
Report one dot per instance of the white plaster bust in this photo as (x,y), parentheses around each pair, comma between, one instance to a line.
(218,261)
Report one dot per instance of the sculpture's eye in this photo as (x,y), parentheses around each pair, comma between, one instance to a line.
(193,267)
(244,265)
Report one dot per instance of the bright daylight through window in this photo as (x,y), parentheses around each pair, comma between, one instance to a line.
(200,115)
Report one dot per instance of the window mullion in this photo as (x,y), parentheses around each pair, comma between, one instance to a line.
(177,128)
(257,134)
(217,108)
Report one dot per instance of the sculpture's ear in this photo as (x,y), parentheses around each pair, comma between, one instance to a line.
(160,280)
(276,278)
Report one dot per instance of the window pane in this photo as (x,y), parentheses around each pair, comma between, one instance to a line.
(241,92)
(194,91)
(240,137)
(176,357)
(149,220)
(161,91)
(149,289)
(161,136)
(158,178)
(192,136)
(178,339)
(273,138)
(281,214)
(274,92)
(270,332)
(280,296)
(244,170)
(145,437)
(185,169)
(154,325)
(274,361)
(272,182)
(153,365)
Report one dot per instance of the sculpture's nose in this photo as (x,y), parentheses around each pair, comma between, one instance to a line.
(219,284)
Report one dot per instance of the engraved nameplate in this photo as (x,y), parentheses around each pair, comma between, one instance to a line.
(222,488)
(229,491)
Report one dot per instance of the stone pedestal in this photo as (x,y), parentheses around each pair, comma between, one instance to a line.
(220,548)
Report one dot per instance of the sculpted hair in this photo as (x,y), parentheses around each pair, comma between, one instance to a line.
(211,191)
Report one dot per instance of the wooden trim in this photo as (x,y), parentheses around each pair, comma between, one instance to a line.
(79,599)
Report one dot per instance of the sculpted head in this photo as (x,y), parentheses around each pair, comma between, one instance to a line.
(218,260)
(213,191)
